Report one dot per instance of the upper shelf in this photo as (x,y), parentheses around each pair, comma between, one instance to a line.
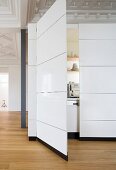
(73,58)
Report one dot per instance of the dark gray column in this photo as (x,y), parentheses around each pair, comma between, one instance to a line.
(23,78)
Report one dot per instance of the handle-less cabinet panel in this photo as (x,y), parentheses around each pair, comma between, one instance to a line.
(32,102)
(32,31)
(52,42)
(51,16)
(97,80)
(98,129)
(98,107)
(51,108)
(97,31)
(72,118)
(57,138)
(97,52)
(32,132)
(32,79)
(51,76)
(32,52)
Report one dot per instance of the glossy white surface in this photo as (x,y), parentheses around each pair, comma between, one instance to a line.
(32,52)
(51,109)
(97,52)
(32,31)
(97,31)
(55,137)
(32,105)
(32,79)
(32,128)
(51,16)
(53,42)
(98,107)
(98,129)
(97,80)
(32,72)
(51,76)
(72,118)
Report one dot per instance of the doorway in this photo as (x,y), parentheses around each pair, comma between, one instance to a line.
(4,86)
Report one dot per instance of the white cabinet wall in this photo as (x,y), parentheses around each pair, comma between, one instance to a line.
(97,80)
(32,82)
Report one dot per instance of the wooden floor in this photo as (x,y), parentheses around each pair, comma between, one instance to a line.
(17,153)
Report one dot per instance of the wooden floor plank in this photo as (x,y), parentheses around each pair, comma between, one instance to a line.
(18,153)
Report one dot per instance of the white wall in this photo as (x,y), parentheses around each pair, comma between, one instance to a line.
(14,86)
(97,80)
(4,78)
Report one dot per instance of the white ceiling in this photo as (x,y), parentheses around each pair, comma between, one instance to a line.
(13,13)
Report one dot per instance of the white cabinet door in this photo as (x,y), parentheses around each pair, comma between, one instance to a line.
(97,80)
(97,31)
(52,78)
(73,117)
(97,52)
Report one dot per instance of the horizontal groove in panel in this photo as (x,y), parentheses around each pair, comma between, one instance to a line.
(51,26)
(98,39)
(51,76)
(51,125)
(53,43)
(51,59)
(53,92)
(51,16)
(52,136)
(97,66)
(99,120)
(97,93)
(51,107)
(97,128)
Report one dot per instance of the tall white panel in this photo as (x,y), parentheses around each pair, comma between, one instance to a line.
(52,77)
(97,53)
(32,80)
(97,31)
(52,44)
(97,80)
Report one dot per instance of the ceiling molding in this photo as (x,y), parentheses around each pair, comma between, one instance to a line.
(79,11)
(9,47)
(13,13)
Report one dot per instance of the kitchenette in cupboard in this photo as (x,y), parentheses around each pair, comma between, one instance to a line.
(73,90)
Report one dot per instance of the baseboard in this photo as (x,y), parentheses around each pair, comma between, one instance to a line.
(54,150)
(73,135)
(32,138)
(97,138)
